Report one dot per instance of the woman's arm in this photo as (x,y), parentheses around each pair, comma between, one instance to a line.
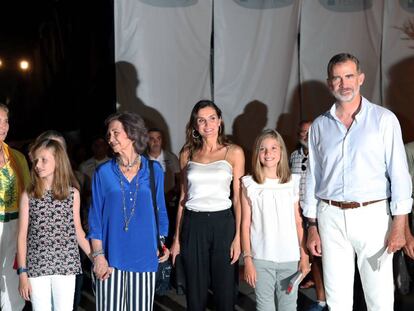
(304,257)
(175,247)
(237,160)
(160,199)
(80,234)
(246,220)
(100,264)
(24,284)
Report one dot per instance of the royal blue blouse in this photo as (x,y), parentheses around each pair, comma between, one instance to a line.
(134,249)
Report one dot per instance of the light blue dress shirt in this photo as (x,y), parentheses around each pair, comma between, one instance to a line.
(363,163)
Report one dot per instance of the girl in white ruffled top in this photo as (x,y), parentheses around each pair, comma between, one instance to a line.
(272,231)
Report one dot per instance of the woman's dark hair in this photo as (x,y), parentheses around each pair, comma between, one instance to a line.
(134,127)
(193,141)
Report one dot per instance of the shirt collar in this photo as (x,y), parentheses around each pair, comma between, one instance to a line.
(358,116)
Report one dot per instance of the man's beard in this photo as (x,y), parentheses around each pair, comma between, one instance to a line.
(345,98)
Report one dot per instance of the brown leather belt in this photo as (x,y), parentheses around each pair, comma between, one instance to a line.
(346,205)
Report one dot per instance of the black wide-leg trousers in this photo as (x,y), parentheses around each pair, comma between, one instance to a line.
(205,249)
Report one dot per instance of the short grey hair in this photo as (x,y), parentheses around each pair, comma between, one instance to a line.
(134,127)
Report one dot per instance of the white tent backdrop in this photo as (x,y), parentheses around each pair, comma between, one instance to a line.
(162,54)
(330,27)
(255,65)
(163,48)
(398,64)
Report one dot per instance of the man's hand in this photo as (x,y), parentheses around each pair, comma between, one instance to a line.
(314,242)
(409,246)
(396,239)
(409,238)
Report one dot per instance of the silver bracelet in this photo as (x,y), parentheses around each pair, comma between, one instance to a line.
(247,254)
(97,253)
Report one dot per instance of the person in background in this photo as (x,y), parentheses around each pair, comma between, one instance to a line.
(14,178)
(298,165)
(50,230)
(207,231)
(100,150)
(87,168)
(273,242)
(409,246)
(122,224)
(357,178)
(171,168)
(168,161)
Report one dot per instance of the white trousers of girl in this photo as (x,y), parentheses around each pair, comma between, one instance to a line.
(363,232)
(53,292)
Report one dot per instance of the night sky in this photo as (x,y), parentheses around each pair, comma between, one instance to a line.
(70,85)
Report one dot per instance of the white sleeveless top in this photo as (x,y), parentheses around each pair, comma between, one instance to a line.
(273,234)
(209,186)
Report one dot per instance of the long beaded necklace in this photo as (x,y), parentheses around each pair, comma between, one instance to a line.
(127,219)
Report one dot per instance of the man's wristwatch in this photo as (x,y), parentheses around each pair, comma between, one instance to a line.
(310,223)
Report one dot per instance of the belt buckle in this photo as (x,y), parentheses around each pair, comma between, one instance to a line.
(343,203)
(346,204)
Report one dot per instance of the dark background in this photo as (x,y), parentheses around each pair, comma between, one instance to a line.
(70,86)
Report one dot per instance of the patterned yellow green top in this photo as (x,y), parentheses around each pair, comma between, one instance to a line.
(10,184)
(8,194)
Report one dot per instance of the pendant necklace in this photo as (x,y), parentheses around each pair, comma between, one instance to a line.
(127,219)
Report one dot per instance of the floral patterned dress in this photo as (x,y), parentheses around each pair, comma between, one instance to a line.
(52,248)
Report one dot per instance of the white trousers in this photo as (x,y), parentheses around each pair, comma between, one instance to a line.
(362,231)
(53,292)
(10,299)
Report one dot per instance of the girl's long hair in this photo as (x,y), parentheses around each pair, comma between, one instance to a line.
(193,140)
(282,170)
(63,177)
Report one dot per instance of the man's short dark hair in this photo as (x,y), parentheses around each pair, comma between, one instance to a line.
(342,58)
(155,129)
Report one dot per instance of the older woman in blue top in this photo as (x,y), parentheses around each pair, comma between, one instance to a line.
(123,228)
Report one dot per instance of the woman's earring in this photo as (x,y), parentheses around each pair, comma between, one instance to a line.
(219,130)
(195,134)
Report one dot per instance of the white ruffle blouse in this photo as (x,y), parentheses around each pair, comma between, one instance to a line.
(273,234)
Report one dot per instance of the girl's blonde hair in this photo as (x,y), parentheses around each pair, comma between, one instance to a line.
(282,170)
(63,177)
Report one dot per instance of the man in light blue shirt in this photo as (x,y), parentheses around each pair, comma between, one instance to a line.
(357,178)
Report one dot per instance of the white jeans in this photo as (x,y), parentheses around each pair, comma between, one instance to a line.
(10,299)
(56,290)
(362,231)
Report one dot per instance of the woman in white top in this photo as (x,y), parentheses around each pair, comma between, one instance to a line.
(272,232)
(208,228)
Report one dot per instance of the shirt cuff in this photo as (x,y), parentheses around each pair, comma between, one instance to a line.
(309,211)
(401,207)
(94,236)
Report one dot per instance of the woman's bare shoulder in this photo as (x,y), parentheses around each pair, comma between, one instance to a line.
(235,151)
